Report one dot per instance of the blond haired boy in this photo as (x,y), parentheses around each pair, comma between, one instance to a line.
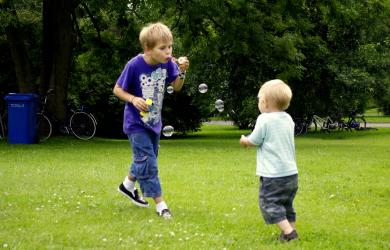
(142,85)
(276,165)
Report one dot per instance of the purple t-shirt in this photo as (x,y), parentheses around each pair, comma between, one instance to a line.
(147,81)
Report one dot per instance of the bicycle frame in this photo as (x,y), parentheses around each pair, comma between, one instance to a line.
(326,123)
(67,126)
(2,130)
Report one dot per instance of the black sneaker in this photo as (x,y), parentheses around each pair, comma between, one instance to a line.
(287,237)
(165,213)
(134,197)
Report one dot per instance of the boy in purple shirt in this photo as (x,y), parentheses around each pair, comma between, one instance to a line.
(142,85)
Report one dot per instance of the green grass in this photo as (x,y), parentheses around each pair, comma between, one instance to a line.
(62,194)
(379,119)
(374,115)
(373,112)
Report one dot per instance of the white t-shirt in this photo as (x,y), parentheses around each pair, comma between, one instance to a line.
(274,136)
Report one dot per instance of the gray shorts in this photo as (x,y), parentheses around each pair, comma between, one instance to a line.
(276,196)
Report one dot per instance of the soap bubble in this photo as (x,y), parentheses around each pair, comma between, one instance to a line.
(221,109)
(219,105)
(169,89)
(203,88)
(168,131)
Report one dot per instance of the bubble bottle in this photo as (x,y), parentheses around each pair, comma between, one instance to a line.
(145,114)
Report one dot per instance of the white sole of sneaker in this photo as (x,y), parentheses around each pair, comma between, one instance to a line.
(134,202)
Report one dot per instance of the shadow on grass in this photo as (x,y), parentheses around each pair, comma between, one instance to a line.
(211,132)
(217,133)
(339,135)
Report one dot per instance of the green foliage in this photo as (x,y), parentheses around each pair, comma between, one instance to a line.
(7,78)
(384,99)
(320,49)
(335,55)
(99,60)
(181,112)
(99,63)
(377,57)
(25,17)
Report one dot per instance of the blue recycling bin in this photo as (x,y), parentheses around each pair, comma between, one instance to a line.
(22,125)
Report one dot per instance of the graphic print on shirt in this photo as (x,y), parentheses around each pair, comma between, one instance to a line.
(153,87)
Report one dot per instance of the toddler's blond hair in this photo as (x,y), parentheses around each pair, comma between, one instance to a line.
(154,33)
(277,93)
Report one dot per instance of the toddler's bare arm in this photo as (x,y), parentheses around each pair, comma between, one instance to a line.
(245,142)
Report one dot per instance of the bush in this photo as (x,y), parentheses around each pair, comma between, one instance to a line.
(181,112)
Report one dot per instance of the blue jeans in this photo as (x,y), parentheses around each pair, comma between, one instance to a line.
(144,166)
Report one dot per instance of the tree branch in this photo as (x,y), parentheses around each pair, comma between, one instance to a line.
(93,19)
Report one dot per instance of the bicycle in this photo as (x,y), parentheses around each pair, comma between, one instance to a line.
(2,128)
(355,121)
(304,125)
(3,124)
(326,124)
(80,123)
(299,125)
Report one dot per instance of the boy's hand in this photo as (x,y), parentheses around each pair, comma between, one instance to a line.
(183,63)
(140,104)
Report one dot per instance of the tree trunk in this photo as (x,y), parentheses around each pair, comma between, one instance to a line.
(58,40)
(19,55)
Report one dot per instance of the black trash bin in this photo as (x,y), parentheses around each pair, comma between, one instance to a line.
(22,118)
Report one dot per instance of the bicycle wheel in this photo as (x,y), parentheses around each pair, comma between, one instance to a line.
(341,124)
(44,127)
(362,123)
(311,125)
(4,120)
(298,128)
(2,131)
(82,125)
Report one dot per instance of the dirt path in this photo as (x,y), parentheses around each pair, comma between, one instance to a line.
(378,124)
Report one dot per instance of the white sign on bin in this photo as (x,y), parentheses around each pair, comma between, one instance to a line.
(17,105)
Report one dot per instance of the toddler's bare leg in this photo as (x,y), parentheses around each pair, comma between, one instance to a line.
(285,226)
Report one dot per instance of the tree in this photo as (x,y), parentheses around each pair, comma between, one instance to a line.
(318,48)
(99,60)
(56,26)
(58,42)
(16,42)
(334,54)
(52,58)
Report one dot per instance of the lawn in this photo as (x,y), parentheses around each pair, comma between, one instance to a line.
(62,194)
(374,115)
(379,119)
